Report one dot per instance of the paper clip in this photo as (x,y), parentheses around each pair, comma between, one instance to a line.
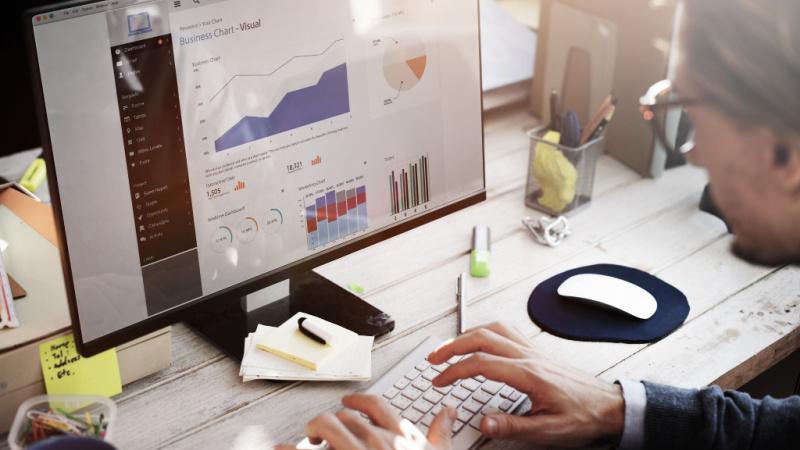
(548,230)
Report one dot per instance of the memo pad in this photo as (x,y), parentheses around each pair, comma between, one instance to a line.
(579,320)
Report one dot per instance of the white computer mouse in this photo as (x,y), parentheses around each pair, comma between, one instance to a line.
(613,292)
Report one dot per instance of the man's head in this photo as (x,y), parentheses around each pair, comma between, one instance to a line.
(741,59)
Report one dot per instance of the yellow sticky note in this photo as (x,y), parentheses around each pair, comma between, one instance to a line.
(67,372)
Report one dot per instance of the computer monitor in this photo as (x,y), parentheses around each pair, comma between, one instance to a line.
(200,150)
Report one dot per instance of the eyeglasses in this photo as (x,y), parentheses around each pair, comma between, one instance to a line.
(655,104)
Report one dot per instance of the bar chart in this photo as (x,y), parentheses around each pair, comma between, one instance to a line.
(335,214)
(409,184)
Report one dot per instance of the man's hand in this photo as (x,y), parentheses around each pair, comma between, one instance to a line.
(569,408)
(347,430)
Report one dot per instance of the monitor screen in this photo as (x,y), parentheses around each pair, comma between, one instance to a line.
(205,147)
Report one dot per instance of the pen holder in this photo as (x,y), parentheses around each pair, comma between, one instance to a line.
(560,179)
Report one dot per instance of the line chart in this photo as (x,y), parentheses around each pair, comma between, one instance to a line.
(273,72)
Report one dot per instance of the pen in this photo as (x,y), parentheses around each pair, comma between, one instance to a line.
(555,113)
(603,123)
(461,297)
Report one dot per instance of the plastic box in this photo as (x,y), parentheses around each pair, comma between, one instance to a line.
(77,405)
(583,159)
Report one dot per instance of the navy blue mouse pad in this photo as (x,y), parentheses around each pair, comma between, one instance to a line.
(581,320)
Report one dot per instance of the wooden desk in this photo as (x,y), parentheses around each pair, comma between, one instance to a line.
(743,317)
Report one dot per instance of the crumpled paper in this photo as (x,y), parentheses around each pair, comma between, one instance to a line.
(556,176)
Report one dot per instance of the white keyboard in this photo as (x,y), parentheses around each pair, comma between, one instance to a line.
(408,389)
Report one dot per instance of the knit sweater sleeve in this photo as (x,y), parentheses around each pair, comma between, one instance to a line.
(710,418)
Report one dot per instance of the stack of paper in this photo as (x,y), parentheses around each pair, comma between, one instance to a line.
(351,362)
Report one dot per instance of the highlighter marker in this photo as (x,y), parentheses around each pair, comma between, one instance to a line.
(479,260)
(34,175)
(316,331)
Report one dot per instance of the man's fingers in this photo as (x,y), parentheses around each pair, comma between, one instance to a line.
(496,368)
(329,428)
(353,422)
(479,340)
(440,433)
(509,332)
(377,410)
(506,426)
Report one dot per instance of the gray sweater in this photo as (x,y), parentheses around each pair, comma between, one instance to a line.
(712,419)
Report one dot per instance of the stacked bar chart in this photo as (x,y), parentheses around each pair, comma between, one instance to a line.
(409,184)
(335,215)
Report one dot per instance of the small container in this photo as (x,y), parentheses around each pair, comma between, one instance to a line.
(75,405)
(555,195)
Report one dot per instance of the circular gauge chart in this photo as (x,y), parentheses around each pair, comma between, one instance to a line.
(404,61)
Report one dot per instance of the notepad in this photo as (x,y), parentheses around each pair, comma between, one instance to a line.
(354,363)
(287,341)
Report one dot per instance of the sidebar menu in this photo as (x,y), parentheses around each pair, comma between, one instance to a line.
(155,155)
(150,116)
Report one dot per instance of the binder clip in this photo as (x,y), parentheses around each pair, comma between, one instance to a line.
(548,230)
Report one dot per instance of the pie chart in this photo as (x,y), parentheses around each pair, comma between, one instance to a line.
(404,61)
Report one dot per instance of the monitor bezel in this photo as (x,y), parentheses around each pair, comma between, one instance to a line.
(241,289)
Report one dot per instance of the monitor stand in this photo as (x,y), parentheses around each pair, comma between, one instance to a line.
(226,323)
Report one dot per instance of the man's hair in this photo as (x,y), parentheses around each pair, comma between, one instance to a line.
(744,57)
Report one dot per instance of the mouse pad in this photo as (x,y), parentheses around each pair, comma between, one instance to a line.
(581,320)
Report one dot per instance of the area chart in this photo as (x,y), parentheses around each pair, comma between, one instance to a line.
(328,98)
(335,215)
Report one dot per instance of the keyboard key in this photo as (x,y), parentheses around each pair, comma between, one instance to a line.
(492,387)
(423,405)
(422,366)
(413,415)
(506,405)
(506,391)
(457,426)
(476,422)
(402,383)
(515,396)
(422,384)
(451,402)
(470,384)
(430,374)
(412,393)
(395,410)
(423,428)
(428,419)
(481,396)
(402,402)
(391,393)
(443,390)
(454,359)
(464,415)
(412,374)
(433,396)
(480,378)
(490,409)
(461,393)
(437,409)
(440,367)
(472,406)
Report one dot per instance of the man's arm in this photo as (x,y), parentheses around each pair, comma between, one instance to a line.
(712,419)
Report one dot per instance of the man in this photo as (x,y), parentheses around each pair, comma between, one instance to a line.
(739,82)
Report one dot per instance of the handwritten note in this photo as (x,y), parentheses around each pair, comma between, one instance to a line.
(67,372)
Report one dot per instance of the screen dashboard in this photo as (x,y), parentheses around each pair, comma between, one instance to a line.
(201,144)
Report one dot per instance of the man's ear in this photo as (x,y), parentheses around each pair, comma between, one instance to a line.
(787,165)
